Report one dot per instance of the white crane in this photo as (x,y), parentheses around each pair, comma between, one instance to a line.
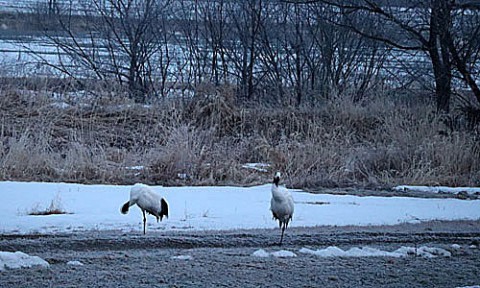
(147,200)
(281,204)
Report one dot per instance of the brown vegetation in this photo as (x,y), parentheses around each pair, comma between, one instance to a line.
(206,140)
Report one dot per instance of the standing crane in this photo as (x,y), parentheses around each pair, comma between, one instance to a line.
(281,204)
(147,200)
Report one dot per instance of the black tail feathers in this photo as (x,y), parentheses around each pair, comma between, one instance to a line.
(125,207)
(164,211)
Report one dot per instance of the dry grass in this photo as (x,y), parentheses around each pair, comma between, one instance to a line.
(55,207)
(206,140)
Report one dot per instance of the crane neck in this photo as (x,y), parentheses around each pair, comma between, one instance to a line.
(276,180)
(277,193)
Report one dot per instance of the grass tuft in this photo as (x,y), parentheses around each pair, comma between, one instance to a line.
(55,207)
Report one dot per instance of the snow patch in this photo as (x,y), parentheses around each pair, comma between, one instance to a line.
(182,257)
(16,260)
(260,167)
(333,251)
(135,167)
(439,189)
(455,246)
(424,251)
(60,105)
(283,254)
(261,253)
(75,263)
(279,254)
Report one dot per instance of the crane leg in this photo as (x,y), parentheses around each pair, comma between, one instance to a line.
(281,237)
(144,222)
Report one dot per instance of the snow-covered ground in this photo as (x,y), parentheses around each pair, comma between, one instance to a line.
(97,207)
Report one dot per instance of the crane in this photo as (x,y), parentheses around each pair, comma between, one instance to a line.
(148,201)
(281,204)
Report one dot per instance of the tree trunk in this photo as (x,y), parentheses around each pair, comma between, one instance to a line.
(440,23)
(462,68)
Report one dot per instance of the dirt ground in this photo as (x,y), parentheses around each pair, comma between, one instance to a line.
(224,258)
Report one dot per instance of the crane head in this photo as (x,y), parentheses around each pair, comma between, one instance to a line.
(164,209)
(276,178)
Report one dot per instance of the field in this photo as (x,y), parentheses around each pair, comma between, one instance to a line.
(217,259)
(80,124)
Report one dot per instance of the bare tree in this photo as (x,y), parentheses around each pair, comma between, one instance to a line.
(420,25)
(272,54)
(203,34)
(188,21)
(345,60)
(246,17)
(296,48)
(214,14)
(302,52)
(464,43)
(53,7)
(112,39)
(282,50)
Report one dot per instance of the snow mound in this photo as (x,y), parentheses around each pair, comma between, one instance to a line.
(15,260)
(455,246)
(279,254)
(75,263)
(260,253)
(424,251)
(333,251)
(182,257)
(283,254)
